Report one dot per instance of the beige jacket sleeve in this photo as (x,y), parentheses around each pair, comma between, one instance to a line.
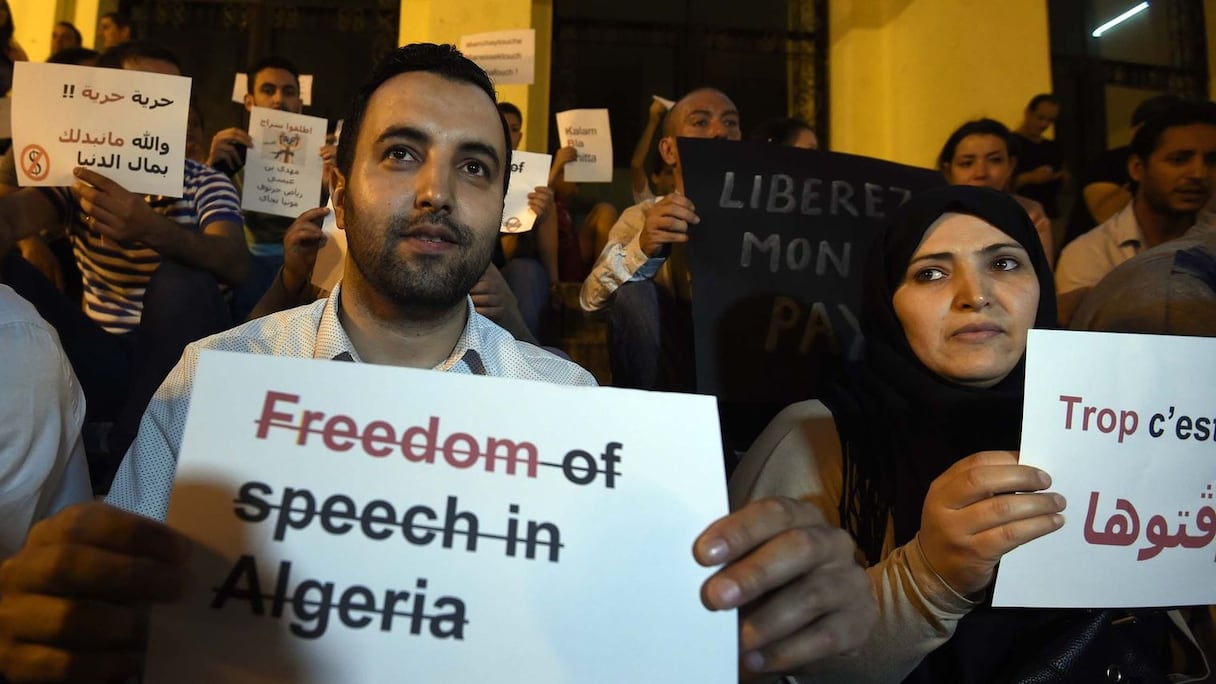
(799,455)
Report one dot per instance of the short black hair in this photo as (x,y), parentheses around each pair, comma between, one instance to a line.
(120,19)
(782,130)
(442,60)
(117,56)
(1153,106)
(1182,113)
(978,127)
(508,108)
(75,31)
(73,56)
(1040,99)
(271,62)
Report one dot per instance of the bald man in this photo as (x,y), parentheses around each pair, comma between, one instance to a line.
(641,277)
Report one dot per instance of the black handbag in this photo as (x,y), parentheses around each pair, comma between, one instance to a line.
(1102,646)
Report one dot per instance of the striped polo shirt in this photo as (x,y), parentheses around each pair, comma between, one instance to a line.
(116,274)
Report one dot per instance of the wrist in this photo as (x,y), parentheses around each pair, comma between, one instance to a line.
(293,282)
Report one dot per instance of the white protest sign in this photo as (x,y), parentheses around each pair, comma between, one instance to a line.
(1126,427)
(528,170)
(507,56)
(331,258)
(352,520)
(587,131)
(240,88)
(129,126)
(284,169)
(665,102)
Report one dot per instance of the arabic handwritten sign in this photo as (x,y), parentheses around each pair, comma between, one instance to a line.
(778,258)
(506,56)
(587,131)
(528,170)
(1126,427)
(129,126)
(350,518)
(283,172)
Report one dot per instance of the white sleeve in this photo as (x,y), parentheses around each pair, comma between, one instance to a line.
(42,467)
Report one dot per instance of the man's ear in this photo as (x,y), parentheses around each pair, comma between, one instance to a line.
(248,102)
(338,199)
(668,151)
(1135,167)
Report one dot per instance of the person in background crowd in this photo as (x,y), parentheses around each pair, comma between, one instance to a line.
(65,36)
(50,251)
(787,131)
(528,260)
(983,153)
(1040,173)
(1173,164)
(576,245)
(114,29)
(641,277)
(1107,187)
(152,267)
(1167,290)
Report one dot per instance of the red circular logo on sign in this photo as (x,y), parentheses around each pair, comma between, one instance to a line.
(35,162)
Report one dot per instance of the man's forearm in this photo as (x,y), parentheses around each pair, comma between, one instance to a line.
(225,257)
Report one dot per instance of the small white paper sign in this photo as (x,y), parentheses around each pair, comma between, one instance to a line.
(587,131)
(528,170)
(1124,424)
(666,103)
(331,258)
(442,523)
(284,169)
(129,126)
(240,88)
(507,56)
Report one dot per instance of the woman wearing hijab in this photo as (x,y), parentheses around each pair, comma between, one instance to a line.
(914,451)
(983,153)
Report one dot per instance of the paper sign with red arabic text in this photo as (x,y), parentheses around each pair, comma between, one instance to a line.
(1126,427)
(129,126)
(365,523)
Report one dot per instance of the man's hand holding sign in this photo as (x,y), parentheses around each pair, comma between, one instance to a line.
(667,224)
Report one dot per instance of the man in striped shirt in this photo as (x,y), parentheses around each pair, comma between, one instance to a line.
(151,268)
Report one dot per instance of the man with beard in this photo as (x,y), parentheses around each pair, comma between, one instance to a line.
(422,174)
(1173,162)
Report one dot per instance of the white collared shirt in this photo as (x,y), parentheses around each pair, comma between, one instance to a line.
(1086,260)
(145,477)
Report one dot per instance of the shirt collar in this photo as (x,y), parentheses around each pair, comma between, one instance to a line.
(1126,228)
(333,343)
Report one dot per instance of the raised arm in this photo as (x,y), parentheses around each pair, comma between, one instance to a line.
(637,165)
